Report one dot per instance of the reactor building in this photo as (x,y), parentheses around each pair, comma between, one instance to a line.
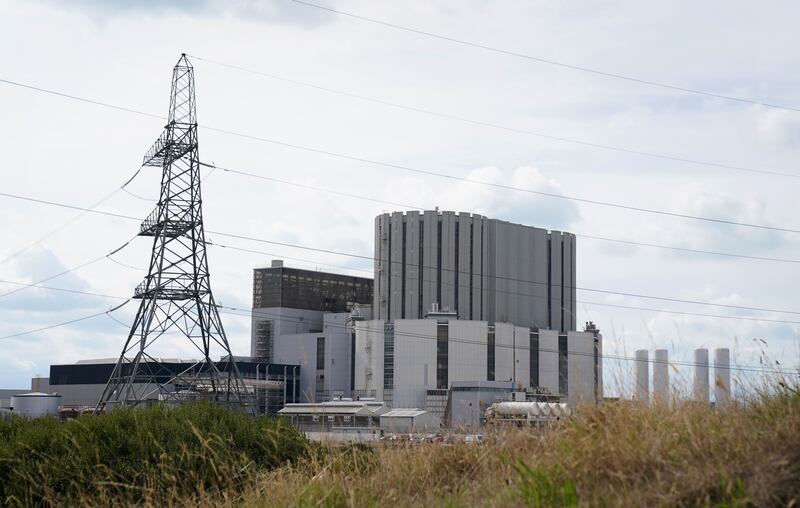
(463,311)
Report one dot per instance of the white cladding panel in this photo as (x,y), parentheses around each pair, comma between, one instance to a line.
(369,357)
(548,360)
(414,361)
(701,375)
(580,367)
(300,349)
(641,376)
(338,338)
(503,352)
(722,377)
(661,376)
(466,349)
(522,357)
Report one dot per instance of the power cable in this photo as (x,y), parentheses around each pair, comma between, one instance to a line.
(262,312)
(449,177)
(549,61)
(65,323)
(492,125)
(371,258)
(417,207)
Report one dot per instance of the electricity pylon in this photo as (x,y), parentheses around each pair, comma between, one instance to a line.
(176,299)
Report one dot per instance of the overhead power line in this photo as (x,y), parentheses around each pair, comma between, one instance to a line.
(65,323)
(418,207)
(262,313)
(492,125)
(553,195)
(372,259)
(547,61)
(410,169)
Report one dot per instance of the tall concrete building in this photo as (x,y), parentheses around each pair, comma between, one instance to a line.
(477,268)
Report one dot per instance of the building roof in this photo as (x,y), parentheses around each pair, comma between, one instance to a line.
(403,413)
(336,407)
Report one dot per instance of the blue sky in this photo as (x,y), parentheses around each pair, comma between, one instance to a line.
(122,53)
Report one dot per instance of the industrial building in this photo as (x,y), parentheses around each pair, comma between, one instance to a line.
(466,310)
(80,385)
(304,317)
(477,268)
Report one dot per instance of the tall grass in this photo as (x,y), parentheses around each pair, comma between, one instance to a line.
(153,455)
(616,454)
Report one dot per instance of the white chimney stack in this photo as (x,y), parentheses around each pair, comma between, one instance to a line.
(661,377)
(722,377)
(701,375)
(642,375)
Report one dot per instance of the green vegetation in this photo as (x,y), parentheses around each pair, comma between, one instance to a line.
(151,455)
(618,454)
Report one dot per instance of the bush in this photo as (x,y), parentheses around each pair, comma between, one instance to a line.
(147,455)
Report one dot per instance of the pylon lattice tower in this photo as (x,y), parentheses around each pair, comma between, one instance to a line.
(176,298)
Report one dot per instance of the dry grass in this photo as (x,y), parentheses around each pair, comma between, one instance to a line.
(619,454)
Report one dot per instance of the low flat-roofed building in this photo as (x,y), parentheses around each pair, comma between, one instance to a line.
(334,415)
(409,421)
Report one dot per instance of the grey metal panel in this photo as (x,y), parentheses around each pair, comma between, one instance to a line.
(574,300)
(429,260)
(477,267)
(568,310)
(396,266)
(503,271)
(448,261)
(538,286)
(555,280)
(526,287)
(412,265)
(464,268)
(489,270)
(382,292)
(376,266)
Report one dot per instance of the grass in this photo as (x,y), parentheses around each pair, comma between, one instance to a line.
(618,454)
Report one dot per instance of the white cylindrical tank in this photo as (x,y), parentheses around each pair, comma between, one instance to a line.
(642,375)
(722,377)
(35,405)
(701,375)
(661,376)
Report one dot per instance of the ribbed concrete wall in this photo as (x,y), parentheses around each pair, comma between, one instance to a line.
(548,360)
(478,268)
(580,372)
(467,350)
(522,357)
(504,352)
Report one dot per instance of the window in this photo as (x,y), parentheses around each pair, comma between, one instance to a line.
(388,357)
(563,365)
(442,354)
(534,359)
(490,354)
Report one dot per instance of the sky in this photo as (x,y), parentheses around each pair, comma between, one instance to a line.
(122,53)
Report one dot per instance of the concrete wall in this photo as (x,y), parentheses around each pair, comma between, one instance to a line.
(336,330)
(284,321)
(548,360)
(466,351)
(369,356)
(522,357)
(300,349)
(580,373)
(414,361)
(503,352)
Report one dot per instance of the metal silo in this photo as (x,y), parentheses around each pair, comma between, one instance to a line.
(35,405)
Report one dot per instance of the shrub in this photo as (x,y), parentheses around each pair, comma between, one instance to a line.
(140,455)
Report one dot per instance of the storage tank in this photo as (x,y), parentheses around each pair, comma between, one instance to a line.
(722,377)
(35,404)
(661,377)
(701,375)
(642,375)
